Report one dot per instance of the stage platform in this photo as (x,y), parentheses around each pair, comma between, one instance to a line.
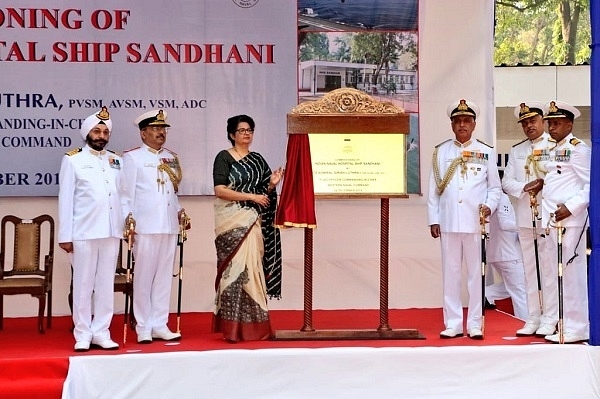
(202,365)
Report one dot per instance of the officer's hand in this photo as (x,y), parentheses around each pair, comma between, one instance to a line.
(184,220)
(66,246)
(485,210)
(562,212)
(129,225)
(434,229)
(129,232)
(534,187)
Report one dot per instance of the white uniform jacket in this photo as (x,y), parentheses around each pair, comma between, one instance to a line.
(474,182)
(526,163)
(88,200)
(568,181)
(147,191)
(503,244)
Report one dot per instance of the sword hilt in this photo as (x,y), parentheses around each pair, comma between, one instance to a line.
(482,221)
(129,230)
(184,225)
(533,203)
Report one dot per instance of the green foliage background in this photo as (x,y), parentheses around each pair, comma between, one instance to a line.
(385,49)
(542,32)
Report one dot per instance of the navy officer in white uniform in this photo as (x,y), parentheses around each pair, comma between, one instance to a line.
(149,183)
(523,180)
(503,254)
(464,181)
(566,196)
(90,228)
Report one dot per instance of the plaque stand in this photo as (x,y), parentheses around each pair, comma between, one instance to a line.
(384,331)
(364,115)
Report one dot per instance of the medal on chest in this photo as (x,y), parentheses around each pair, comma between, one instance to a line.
(533,166)
(114,163)
(473,157)
(169,167)
(562,155)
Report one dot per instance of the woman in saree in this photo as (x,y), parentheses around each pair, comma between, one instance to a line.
(248,244)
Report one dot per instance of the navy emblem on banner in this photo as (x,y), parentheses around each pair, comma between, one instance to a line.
(245,3)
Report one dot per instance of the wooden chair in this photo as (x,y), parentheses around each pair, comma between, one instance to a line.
(27,276)
(121,284)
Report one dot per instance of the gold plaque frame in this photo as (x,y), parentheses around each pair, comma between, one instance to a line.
(352,112)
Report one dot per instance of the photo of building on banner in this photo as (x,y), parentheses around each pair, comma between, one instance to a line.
(366,45)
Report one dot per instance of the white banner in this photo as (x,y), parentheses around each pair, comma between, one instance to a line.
(201,61)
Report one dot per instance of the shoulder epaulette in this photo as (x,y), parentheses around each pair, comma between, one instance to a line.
(74,151)
(551,140)
(574,141)
(131,149)
(484,143)
(172,152)
(520,142)
(114,152)
(443,142)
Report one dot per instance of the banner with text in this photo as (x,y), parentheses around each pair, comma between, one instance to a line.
(201,61)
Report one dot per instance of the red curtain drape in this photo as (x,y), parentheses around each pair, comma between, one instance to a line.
(297,202)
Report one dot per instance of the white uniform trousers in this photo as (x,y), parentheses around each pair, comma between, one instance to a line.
(457,247)
(575,298)
(94,264)
(154,256)
(537,314)
(513,277)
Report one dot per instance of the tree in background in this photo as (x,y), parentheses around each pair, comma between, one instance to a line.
(384,50)
(343,52)
(314,46)
(542,32)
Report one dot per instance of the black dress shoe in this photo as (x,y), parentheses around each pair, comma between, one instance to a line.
(489,305)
